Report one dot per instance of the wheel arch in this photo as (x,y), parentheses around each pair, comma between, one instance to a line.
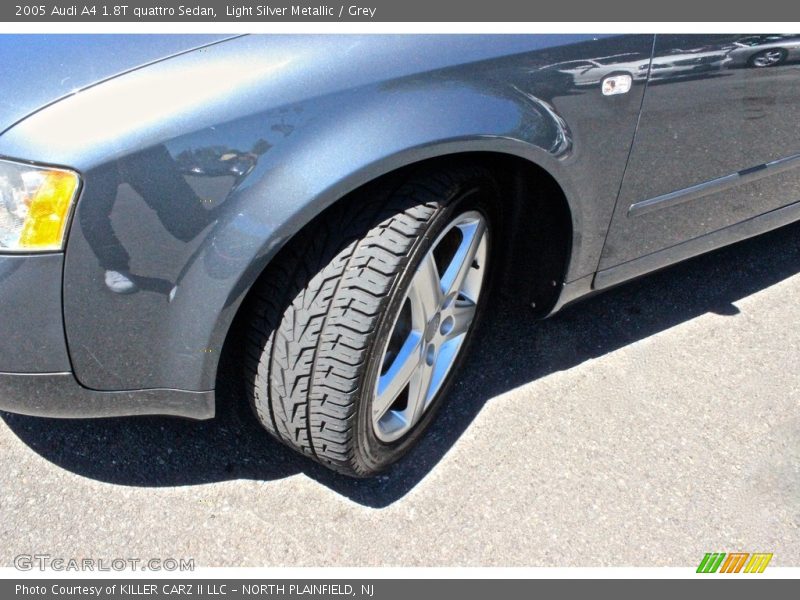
(533,201)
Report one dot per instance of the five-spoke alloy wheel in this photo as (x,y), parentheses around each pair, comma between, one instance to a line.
(428,334)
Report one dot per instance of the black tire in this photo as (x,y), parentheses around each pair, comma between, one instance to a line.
(323,310)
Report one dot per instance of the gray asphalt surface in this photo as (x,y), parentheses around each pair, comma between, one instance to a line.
(643,427)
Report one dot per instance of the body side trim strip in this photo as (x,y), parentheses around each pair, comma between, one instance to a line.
(713,186)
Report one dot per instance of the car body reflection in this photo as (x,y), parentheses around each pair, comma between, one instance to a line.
(759,51)
(730,52)
(590,72)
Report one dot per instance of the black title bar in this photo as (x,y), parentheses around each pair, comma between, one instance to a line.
(394,11)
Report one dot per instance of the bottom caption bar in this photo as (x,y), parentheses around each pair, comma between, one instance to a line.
(384,589)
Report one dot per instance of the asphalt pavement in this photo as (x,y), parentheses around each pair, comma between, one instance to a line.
(643,427)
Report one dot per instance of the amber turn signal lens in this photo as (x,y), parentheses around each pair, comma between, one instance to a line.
(35,206)
(48,211)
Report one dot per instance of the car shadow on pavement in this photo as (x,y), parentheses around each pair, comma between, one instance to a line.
(511,349)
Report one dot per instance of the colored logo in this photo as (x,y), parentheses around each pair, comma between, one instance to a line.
(734,562)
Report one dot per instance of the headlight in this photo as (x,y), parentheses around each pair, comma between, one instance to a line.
(35,204)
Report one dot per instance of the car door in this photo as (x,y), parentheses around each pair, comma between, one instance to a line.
(718,142)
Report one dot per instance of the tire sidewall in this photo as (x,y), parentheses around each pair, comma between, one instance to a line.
(478,194)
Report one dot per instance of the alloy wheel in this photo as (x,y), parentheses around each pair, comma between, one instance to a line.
(768,58)
(429,331)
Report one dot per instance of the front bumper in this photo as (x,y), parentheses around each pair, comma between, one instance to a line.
(35,371)
(31,322)
(60,395)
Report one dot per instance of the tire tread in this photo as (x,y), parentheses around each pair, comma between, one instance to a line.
(316,310)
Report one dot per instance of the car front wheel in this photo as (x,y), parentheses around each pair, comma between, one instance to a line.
(359,325)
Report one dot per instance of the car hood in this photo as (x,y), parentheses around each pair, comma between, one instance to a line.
(37,70)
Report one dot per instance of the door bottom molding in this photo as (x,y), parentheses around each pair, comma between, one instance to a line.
(722,237)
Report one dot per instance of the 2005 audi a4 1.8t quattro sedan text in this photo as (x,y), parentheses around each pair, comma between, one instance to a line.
(336,211)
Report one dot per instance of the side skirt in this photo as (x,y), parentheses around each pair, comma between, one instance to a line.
(663,258)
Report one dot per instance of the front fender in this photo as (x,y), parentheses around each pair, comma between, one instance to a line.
(328,158)
(192,196)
